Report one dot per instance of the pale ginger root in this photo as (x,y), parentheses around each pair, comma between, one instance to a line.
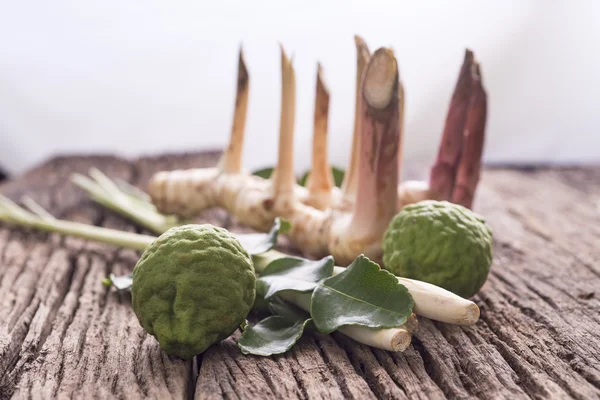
(325,220)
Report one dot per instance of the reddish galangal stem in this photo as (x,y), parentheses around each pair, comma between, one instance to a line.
(467,176)
(443,172)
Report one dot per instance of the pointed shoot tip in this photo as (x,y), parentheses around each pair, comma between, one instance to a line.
(469,56)
(361,48)
(477,72)
(321,80)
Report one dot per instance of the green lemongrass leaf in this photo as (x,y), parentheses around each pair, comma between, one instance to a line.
(258,243)
(135,207)
(133,191)
(123,282)
(294,273)
(264,172)
(106,184)
(273,335)
(364,294)
(37,209)
(14,214)
(11,212)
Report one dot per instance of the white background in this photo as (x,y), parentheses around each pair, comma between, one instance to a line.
(144,77)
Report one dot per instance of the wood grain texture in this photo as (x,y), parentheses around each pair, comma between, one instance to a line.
(63,335)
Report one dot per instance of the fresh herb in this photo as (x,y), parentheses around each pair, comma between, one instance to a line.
(277,333)
(294,273)
(125,199)
(272,335)
(258,243)
(364,295)
(264,173)
(338,175)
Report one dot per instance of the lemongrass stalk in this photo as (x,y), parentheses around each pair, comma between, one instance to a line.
(12,213)
(127,193)
(393,339)
(107,193)
(119,199)
(431,301)
(108,185)
(390,339)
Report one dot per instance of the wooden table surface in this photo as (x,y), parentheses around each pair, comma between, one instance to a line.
(62,334)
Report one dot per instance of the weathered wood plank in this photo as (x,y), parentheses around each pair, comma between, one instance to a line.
(62,335)
(539,334)
(513,352)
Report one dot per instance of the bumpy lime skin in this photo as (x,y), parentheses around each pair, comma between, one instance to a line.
(441,243)
(193,287)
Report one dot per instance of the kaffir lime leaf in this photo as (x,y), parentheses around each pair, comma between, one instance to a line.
(441,243)
(192,287)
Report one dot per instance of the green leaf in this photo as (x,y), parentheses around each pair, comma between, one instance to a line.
(258,243)
(261,305)
(273,335)
(285,226)
(294,273)
(264,172)
(338,177)
(279,307)
(123,282)
(363,294)
(303,178)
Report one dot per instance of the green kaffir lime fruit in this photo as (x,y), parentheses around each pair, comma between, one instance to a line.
(441,243)
(193,287)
